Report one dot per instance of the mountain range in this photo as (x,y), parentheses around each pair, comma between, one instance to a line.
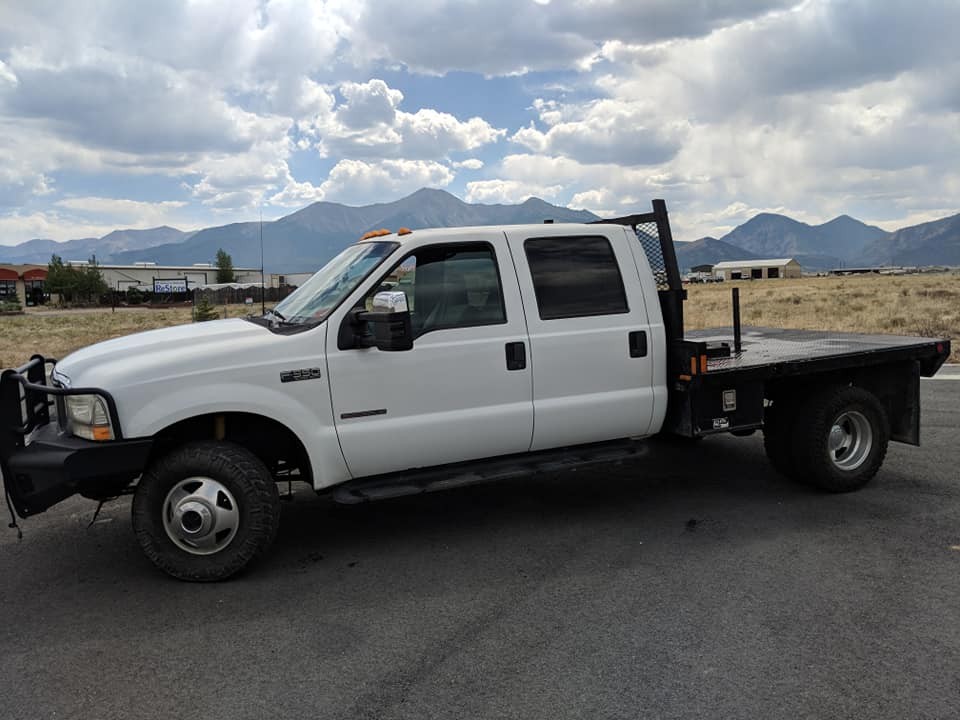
(33,251)
(306,239)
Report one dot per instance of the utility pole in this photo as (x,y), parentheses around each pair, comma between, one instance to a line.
(263,285)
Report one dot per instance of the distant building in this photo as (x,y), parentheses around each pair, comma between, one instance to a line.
(881,270)
(293,279)
(757,269)
(24,282)
(169,278)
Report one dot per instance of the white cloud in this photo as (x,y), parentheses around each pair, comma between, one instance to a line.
(722,107)
(296,194)
(791,111)
(300,98)
(129,213)
(356,181)
(52,225)
(508,37)
(127,105)
(73,218)
(508,191)
(625,132)
(18,185)
(368,104)
(601,201)
(370,125)
(6,75)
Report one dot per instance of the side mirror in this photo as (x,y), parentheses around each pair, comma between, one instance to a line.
(390,320)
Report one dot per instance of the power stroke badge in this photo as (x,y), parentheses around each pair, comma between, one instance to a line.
(302,374)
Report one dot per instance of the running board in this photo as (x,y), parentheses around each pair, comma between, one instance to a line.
(446,477)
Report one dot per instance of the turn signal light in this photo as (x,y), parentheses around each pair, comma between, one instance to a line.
(102,433)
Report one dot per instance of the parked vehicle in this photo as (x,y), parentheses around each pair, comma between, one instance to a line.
(419,361)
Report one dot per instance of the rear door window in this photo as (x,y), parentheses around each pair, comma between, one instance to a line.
(575,276)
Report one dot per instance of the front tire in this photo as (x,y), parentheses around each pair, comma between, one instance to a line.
(841,438)
(206,510)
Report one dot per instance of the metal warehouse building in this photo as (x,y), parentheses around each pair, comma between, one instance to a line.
(757,269)
(27,283)
(168,278)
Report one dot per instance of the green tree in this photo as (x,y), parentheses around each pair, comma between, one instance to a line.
(224,267)
(75,284)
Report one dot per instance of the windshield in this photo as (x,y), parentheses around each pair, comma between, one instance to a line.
(317,297)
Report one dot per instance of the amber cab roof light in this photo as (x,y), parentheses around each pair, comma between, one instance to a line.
(375,233)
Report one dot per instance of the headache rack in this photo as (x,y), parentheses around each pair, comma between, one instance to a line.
(653,231)
(685,356)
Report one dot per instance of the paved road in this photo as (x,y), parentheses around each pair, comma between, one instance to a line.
(694,584)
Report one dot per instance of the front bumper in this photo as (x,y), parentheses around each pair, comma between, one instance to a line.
(41,465)
(52,467)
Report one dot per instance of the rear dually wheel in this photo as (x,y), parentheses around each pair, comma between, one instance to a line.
(840,438)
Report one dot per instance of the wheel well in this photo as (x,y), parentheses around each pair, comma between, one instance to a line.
(896,386)
(271,441)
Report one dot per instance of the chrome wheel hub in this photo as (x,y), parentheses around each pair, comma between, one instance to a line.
(850,440)
(200,516)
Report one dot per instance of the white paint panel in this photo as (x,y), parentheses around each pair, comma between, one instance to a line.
(449,399)
(657,337)
(163,376)
(586,386)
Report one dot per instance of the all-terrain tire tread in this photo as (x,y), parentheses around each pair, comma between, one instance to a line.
(253,488)
(815,419)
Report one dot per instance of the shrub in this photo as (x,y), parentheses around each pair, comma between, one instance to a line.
(203,310)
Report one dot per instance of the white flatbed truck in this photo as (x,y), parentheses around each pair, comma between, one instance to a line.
(424,360)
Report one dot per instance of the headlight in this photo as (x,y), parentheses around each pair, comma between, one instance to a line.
(87,417)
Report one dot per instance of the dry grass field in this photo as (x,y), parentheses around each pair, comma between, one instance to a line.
(927,305)
(58,333)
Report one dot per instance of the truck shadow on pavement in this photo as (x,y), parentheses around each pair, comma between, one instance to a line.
(719,490)
(677,498)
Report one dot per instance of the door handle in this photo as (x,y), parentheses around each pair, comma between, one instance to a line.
(516,356)
(638,343)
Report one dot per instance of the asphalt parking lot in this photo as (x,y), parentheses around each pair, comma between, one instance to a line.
(694,583)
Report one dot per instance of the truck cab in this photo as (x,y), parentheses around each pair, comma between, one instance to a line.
(511,336)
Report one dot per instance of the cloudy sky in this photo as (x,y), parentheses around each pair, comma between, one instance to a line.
(193,113)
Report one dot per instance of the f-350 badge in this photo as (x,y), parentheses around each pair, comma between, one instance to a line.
(302,374)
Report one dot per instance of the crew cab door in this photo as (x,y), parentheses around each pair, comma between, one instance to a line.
(590,337)
(464,390)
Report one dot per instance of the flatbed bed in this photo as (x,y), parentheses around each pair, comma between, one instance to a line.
(725,389)
(768,352)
